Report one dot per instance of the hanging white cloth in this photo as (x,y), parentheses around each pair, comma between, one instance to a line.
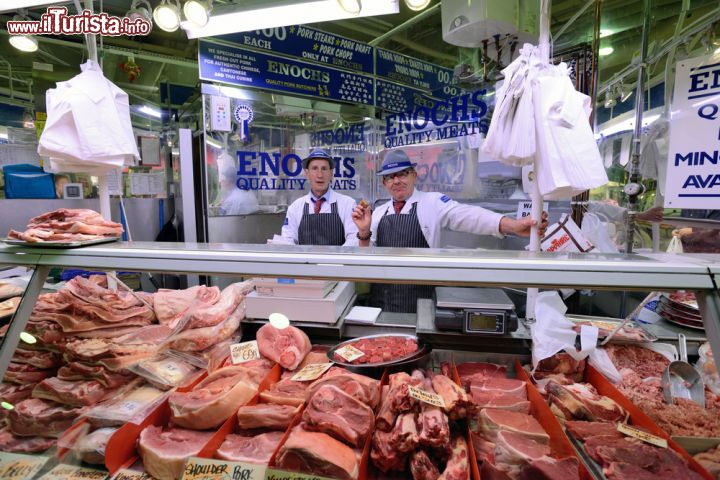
(88,126)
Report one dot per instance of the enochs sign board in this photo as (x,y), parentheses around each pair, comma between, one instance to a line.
(236,66)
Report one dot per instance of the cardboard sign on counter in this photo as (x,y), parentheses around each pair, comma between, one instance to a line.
(244,352)
(642,435)
(16,466)
(72,472)
(272,474)
(127,474)
(210,469)
(349,353)
(311,372)
(427,397)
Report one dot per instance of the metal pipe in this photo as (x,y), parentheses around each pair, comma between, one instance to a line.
(634,188)
(572,19)
(405,25)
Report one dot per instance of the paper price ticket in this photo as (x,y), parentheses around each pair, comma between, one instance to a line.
(210,469)
(311,372)
(273,474)
(349,353)
(71,472)
(642,435)
(16,466)
(427,397)
(127,474)
(244,352)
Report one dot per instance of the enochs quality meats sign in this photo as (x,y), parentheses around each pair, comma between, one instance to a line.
(693,173)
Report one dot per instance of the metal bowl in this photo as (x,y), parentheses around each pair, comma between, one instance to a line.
(420,360)
(420,344)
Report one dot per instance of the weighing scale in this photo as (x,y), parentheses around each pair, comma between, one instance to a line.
(475,311)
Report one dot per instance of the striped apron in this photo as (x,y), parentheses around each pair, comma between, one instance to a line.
(396,230)
(321,228)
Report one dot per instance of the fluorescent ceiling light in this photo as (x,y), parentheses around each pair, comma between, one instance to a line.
(167,15)
(197,11)
(605,51)
(606,33)
(234,93)
(417,5)
(150,111)
(140,10)
(352,7)
(260,14)
(626,125)
(24,43)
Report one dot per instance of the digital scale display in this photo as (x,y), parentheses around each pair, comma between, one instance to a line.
(484,322)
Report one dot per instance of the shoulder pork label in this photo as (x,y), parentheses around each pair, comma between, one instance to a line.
(244,352)
(72,472)
(311,372)
(272,474)
(210,469)
(642,435)
(427,397)
(15,466)
(349,353)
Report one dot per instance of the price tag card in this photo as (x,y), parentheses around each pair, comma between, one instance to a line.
(72,472)
(642,435)
(244,352)
(349,353)
(15,466)
(210,469)
(127,474)
(273,474)
(427,397)
(311,372)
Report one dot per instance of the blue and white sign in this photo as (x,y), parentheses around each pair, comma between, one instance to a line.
(693,171)
(434,79)
(235,66)
(400,98)
(310,44)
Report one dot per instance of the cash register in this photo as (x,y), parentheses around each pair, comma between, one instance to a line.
(475,311)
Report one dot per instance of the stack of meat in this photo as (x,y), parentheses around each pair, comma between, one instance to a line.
(68,225)
(509,442)
(641,370)
(424,438)
(195,416)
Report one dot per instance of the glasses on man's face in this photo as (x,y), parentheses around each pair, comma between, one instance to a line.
(401,174)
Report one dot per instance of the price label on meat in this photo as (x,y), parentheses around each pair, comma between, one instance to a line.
(272,474)
(71,472)
(209,469)
(15,466)
(642,435)
(244,352)
(349,353)
(126,474)
(427,397)
(311,372)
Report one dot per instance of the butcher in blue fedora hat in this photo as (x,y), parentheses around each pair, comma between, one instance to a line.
(414,219)
(323,216)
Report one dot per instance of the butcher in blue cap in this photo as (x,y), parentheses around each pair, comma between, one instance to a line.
(414,219)
(323,216)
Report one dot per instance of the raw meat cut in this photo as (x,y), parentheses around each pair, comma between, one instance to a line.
(383,454)
(9,442)
(131,406)
(76,371)
(422,467)
(318,453)
(91,447)
(365,389)
(68,224)
(643,361)
(513,448)
(332,411)
(207,315)
(285,392)
(506,387)
(214,399)
(493,421)
(381,349)
(434,430)
(170,305)
(266,415)
(287,346)
(197,339)
(37,358)
(709,459)
(256,449)
(457,403)
(548,468)
(24,373)
(76,394)
(580,401)
(504,403)
(35,416)
(165,450)
(489,471)
(584,430)
(13,393)
(458,466)
(397,400)
(318,354)
(484,449)
(404,436)
(479,371)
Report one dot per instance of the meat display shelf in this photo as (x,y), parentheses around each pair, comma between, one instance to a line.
(421,266)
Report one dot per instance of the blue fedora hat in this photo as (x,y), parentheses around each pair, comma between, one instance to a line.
(318,153)
(395,161)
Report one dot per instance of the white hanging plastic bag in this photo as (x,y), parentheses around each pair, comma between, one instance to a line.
(596,232)
(599,359)
(675,245)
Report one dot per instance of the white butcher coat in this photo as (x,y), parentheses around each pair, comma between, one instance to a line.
(88,126)
(436,211)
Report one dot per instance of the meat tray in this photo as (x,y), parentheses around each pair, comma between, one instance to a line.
(608,323)
(678,319)
(84,243)
(685,308)
(413,359)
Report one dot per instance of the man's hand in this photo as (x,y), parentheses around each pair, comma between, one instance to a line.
(654,214)
(522,227)
(362,217)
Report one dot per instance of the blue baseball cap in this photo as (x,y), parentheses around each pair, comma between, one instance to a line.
(395,161)
(318,153)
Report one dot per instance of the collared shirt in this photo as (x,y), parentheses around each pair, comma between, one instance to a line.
(345,207)
(436,211)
